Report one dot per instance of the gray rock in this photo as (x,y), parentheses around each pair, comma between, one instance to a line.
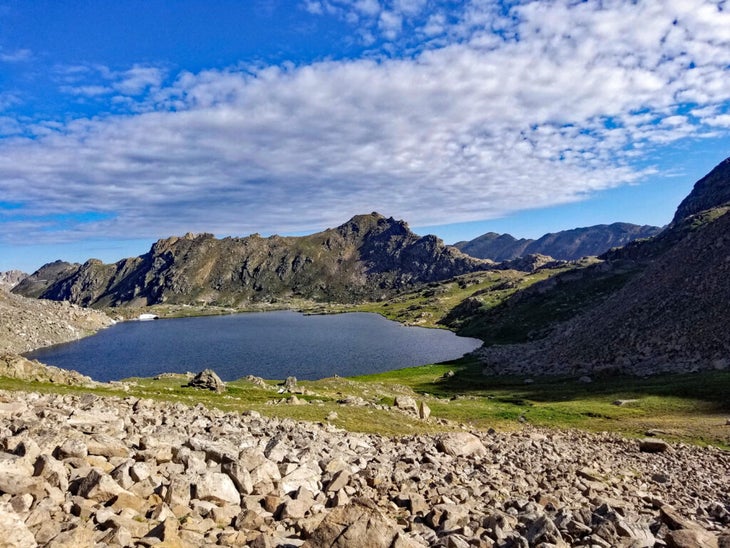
(424,411)
(406,403)
(461,444)
(207,380)
(217,487)
(653,445)
(359,523)
(99,487)
(14,533)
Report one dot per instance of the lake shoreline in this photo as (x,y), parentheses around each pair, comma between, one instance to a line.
(274,344)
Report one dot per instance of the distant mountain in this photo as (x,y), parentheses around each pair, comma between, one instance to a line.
(568,245)
(659,305)
(10,279)
(369,257)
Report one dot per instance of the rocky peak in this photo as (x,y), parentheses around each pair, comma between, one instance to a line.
(11,278)
(713,190)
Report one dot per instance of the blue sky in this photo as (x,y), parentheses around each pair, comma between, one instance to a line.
(125,122)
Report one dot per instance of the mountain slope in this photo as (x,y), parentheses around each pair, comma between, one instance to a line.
(26,324)
(10,279)
(671,315)
(709,192)
(568,245)
(368,257)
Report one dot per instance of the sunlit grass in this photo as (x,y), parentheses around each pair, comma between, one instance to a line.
(691,408)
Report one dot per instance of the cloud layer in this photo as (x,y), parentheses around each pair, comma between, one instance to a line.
(452,116)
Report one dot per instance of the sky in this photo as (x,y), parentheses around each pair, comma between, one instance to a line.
(125,122)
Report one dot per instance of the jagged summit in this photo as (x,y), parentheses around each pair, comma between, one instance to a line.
(713,190)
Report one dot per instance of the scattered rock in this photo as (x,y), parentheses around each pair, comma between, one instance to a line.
(424,411)
(207,380)
(621,403)
(359,523)
(653,445)
(461,444)
(406,403)
(290,385)
(203,477)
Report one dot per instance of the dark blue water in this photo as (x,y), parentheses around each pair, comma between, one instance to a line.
(273,345)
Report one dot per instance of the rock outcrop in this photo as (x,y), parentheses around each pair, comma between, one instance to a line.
(80,470)
(709,192)
(368,257)
(11,278)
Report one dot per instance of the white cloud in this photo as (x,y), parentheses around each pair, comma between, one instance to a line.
(98,80)
(390,24)
(16,56)
(483,126)
(138,79)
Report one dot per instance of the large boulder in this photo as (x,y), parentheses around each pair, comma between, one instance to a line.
(461,444)
(208,380)
(359,523)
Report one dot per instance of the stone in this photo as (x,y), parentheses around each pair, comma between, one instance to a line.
(168,533)
(207,380)
(294,509)
(106,446)
(461,444)
(52,470)
(301,477)
(543,531)
(339,480)
(72,448)
(359,523)
(406,403)
(217,487)
(14,533)
(653,445)
(424,411)
(73,538)
(290,384)
(99,487)
(691,538)
(239,475)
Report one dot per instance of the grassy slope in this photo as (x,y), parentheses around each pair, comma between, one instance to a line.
(691,408)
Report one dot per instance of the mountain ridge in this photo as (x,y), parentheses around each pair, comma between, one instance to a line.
(567,245)
(368,257)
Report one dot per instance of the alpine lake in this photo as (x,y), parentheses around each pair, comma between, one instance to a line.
(273,345)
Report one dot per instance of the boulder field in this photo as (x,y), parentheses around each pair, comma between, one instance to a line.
(84,470)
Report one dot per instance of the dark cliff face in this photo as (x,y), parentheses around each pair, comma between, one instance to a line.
(368,257)
(568,245)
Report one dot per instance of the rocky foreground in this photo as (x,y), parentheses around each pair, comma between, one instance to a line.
(80,470)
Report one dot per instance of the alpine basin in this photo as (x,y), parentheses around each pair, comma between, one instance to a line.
(272,345)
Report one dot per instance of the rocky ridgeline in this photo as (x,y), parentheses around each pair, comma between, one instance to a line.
(80,470)
(27,324)
(10,278)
